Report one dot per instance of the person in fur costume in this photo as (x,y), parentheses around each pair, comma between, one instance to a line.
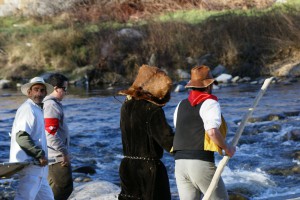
(145,135)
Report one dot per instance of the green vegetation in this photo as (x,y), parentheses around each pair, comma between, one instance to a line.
(248,42)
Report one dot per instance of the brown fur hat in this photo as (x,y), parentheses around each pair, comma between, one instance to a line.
(201,77)
(151,84)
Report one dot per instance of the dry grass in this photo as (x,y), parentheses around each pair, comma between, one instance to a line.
(122,11)
(247,43)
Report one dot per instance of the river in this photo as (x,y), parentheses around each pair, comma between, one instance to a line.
(264,152)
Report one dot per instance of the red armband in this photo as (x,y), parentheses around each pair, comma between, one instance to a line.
(51,125)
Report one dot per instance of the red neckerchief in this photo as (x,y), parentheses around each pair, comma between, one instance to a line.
(196,97)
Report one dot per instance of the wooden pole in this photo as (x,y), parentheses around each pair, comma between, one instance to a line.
(235,140)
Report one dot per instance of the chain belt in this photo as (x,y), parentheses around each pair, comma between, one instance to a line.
(129,196)
(140,158)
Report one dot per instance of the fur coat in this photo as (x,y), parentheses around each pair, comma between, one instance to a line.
(145,135)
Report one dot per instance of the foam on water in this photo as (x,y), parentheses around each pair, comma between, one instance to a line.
(255,181)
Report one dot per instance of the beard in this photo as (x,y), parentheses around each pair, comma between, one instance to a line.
(38,99)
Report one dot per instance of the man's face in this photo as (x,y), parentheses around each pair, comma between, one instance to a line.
(37,93)
(60,92)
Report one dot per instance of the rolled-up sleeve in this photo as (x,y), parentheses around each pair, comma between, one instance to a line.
(210,113)
(175,115)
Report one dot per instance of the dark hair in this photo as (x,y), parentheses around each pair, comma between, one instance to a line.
(200,89)
(57,80)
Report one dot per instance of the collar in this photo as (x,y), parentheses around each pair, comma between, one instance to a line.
(196,97)
(34,104)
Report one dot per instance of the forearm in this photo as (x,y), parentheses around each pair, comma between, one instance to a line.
(218,139)
(57,145)
(54,142)
(216,136)
(27,144)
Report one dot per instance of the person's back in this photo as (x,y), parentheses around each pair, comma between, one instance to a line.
(190,138)
(145,133)
(136,116)
(200,131)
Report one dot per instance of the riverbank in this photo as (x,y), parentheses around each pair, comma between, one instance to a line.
(247,40)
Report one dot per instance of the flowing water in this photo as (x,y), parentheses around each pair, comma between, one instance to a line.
(256,170)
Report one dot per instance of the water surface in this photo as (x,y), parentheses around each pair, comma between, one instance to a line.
(93,118)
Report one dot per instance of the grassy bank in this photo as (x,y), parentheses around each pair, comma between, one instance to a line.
(247,41)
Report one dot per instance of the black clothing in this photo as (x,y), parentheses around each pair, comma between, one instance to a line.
(190,134)
(145,133)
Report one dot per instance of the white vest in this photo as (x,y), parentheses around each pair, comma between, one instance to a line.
(29,118)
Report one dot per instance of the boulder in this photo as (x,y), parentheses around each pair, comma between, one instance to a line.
(95,190)
(85,170)
(237,196)
(179,88)
(152,60)
(224,78)
(244,79)
(288,69)
(296,155)
(130,33)
(218,70)
(182,74)
(269,117)
(235,79)
(4,84)
(293,135)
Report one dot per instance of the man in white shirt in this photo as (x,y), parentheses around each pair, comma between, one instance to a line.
(200,131)
(28,143)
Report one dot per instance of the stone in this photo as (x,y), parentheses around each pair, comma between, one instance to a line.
(95,190)
(152,60)
(85,170)
(130,33)
(218,70)
(288,69)
(270,128)
(224,78)
(182,74)
(293,135)
(235,79)
(4,84)
(179,88)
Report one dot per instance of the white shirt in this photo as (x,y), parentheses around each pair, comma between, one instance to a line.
(29,118)
(210,112)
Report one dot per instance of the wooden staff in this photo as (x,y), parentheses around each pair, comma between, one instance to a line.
(235,140)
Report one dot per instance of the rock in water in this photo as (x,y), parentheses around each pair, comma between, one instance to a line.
(96,190)
(85,170)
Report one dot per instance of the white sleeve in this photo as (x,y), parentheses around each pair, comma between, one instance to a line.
(210,112)
(175,115)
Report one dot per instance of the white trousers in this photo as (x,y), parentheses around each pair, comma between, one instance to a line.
(193,178)
(33,188)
